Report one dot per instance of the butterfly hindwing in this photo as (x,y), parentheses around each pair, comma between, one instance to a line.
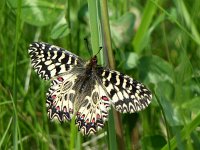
(68,96)
(126,94)
(60,98)
(92,114)
(50,60)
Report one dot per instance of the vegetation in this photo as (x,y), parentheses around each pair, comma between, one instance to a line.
(155,42)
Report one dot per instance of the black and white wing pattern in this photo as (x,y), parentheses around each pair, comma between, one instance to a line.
(83,89)
(75,94)
(126,94)
(50,60)
(60,98)
(92,111)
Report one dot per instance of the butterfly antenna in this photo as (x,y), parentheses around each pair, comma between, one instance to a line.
(87,45)
(100,48)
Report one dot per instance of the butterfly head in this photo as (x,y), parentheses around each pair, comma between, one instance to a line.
(93,61)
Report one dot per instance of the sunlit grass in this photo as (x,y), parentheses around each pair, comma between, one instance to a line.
(162,52)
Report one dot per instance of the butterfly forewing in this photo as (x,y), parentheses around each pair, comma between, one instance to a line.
(126,94)
(84,89)
(50,60)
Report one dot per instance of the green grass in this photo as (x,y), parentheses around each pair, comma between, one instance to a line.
(156,42)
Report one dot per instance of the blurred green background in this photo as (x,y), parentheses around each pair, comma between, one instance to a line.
(154,41)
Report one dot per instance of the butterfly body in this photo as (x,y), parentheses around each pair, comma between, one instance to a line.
(84,89)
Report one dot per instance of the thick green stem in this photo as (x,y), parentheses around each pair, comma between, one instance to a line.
(108,49)
(93,21)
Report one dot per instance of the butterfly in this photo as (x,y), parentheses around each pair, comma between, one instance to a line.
(84,89)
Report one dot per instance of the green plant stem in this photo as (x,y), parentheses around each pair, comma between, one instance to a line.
(149,12)
(72,134)
(15,118)
(194,36)
(93,21)
(6,132)
(165,120)
(106,33)
(69,23)
(188,20)
(110,61)
(185,132)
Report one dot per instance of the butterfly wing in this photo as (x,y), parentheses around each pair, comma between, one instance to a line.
(61,66)
(126,94)
(50,60)
(60,97)
(92,108)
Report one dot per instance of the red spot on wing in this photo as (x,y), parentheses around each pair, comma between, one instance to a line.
(60,79)
(104,98)
(58,108)
(98,116)
(93,120)
(64,109)
(53,96)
